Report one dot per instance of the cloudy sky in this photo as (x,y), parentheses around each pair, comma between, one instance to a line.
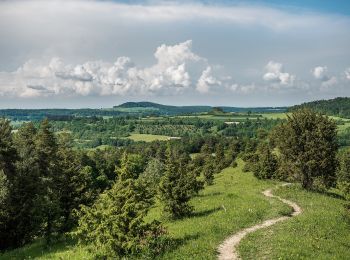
(89,53)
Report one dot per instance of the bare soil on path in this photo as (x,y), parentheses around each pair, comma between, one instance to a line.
(228,249)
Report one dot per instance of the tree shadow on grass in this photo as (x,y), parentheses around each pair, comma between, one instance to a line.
(38,249)
(174,243)
(205,213)
(209,194)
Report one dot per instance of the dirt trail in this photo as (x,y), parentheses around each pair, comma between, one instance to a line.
(228,249)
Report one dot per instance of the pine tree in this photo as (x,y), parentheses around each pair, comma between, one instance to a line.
(208,172)
(131,166)
(114,226)
(177,186)
(74,184)
(343,173)
(266,165)
(219,157)
(46,148)
(152,174)
(27,188)
(8,158)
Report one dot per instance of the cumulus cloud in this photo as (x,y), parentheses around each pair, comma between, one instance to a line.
(207,80)
(170,73)
(347,73)
(275,74)
(321,73)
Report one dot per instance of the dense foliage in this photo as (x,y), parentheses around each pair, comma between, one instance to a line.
(339,106)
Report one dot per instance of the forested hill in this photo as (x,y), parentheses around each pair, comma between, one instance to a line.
(164,109)
(339,106)
(173,110)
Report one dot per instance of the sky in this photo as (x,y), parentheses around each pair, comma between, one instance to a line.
(89,53)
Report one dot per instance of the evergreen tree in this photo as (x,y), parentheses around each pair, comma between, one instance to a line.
(343,173)
(177,186)
(114,226)
(152,174)
(220,162)
(308,144)
(208,172)
(27,187)
(46,148)
(131,166)
(74,184)
(8,158)
(266,164)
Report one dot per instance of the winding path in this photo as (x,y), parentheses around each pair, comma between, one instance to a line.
(228,249)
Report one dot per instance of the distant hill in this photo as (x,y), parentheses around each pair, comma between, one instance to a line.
(175,110)
(339,106)
(161,109)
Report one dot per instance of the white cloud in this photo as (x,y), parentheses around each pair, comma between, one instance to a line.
(244,89)
(169,74)
(275,74)
(321,73)
(347,73)
(206,81)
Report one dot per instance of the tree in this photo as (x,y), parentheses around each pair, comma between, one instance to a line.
(114,225)
(220,162)
(343,173)
(177,185)
(8,158)
(26,187)
(74,183)
(132,166)
(208,172)
(266,164)
(152,174)
(46,148)
(307,142)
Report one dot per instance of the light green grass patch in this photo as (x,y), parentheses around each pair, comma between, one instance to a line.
(148,137)
(320,232)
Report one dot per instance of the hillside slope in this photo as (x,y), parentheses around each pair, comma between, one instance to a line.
(339,106)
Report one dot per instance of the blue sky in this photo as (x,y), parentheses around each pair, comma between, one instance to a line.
(326,6)
(239,53)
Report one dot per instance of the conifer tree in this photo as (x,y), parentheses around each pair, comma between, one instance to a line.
(308,144)
(177,186)
(343,173)
(8,158)
(27,188)
(46,147)
(266,164)
(208,172)
(74,182)
(114,225)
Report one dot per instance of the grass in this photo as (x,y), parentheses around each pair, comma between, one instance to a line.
(274,115)
(148,137)
(233,202)
(320,232)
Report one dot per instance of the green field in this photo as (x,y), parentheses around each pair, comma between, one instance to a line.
(148,137)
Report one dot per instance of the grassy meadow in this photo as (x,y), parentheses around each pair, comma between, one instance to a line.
(148,137)
(320,232)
